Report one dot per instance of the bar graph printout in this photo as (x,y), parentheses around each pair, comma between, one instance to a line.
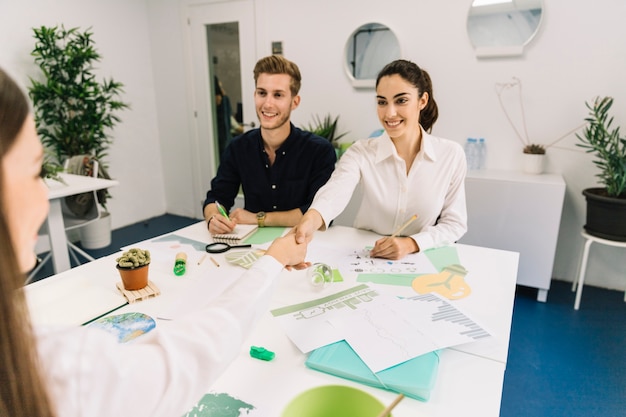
(396,330)
(383,330)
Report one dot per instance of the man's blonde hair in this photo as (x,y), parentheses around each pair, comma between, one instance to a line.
(277,64)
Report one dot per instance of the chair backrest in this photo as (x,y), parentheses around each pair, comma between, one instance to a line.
(92,213)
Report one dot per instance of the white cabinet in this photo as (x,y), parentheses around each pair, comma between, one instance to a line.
(517,212)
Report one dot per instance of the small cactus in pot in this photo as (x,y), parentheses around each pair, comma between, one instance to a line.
(535,149)
(133,267)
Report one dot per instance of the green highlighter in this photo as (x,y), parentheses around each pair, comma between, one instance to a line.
(221,209)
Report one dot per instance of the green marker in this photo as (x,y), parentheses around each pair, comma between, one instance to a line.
(221,210)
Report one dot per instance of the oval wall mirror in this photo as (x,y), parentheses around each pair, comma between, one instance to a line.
(368,49)
(503,27)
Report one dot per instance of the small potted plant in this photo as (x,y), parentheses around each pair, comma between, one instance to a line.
(133,266)
(606,206)
(533,153)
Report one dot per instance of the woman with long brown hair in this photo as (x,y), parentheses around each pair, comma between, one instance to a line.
(22,390)
(80,371)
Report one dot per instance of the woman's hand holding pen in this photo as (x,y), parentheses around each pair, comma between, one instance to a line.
(393,247)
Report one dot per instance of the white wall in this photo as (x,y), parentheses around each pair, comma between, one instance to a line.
(571,60)
(578,54)
(121,36)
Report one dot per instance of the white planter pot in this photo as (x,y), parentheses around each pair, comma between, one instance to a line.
(533,163)
(97,235)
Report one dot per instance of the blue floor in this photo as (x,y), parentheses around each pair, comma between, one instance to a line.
(564,362)
(561,362)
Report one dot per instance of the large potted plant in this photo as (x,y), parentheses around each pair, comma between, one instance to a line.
(74,112)
(606,206)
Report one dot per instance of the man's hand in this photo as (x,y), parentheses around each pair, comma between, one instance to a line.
(219,224)
(242,216)
(288,252)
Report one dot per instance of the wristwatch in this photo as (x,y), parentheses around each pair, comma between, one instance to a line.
(260,218)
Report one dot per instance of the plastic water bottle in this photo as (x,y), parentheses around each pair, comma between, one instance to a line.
(471,153)
(482,153)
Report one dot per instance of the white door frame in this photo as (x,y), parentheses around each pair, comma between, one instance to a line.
(200,87)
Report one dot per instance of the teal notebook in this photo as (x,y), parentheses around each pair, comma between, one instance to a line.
(414,378)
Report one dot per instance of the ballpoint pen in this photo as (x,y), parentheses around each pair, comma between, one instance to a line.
(221,210)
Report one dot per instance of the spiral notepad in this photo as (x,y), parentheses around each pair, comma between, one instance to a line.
(240,233)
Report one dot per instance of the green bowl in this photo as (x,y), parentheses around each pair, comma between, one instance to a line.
(332,401)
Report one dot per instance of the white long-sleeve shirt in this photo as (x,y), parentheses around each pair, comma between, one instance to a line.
(163,373)
(434,189)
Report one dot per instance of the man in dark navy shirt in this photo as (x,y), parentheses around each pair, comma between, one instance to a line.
(278,166)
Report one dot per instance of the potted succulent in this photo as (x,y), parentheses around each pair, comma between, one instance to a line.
(606,206)
(74,112)
(133,267)
(533,153)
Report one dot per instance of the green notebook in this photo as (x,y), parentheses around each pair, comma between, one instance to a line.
(414,378)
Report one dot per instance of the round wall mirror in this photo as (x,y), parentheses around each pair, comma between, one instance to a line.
(503,27)
(368,49)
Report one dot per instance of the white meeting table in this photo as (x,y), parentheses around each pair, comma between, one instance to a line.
(470,377)
(74,184)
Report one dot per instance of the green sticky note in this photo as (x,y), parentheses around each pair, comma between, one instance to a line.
(337,276)
(265,235)
(404,280)
(443,256)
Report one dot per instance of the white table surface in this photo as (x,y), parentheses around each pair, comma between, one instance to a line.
(74,184)
(470,376)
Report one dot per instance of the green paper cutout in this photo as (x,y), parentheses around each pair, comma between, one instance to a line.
(403,280)
(219,405)
(337,276)
(443,256)
(265,235)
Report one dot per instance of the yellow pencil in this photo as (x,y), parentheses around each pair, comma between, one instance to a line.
(391,406)
(214,261)
(404,226)
(202,259)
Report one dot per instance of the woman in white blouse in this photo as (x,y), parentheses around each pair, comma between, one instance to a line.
(404,172)
(81,371)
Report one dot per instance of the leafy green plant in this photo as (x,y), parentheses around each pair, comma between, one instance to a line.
(50,169)
(604,141)
(74,112)
(326,128)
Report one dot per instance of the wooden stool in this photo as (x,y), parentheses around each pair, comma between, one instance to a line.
(583,263)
